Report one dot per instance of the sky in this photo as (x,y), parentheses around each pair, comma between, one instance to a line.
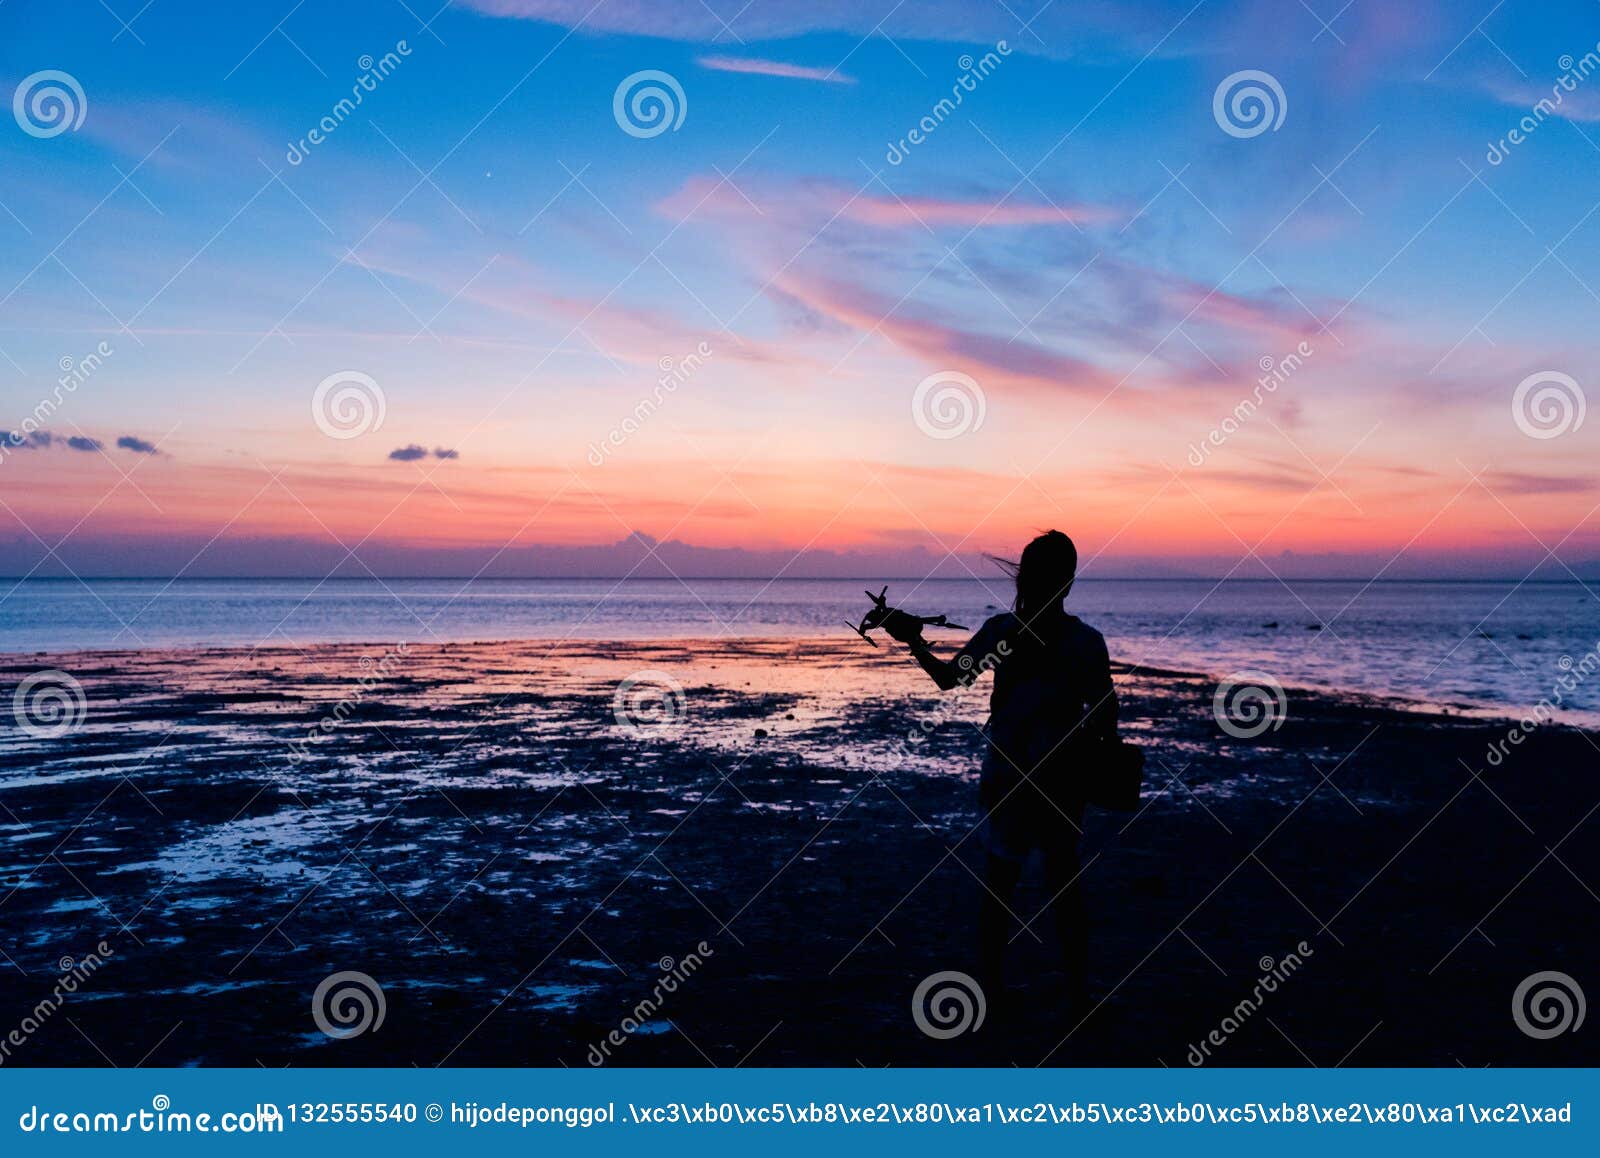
(852,288)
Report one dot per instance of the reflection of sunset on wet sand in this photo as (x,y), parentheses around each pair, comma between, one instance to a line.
(530,841)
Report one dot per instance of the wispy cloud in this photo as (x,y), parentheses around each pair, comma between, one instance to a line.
(1548,100)
(1526,483)
(137,445)
(1282,320)
(940,344)
(821,201)
(901,212)
(629,334)
(760,67)
(692,20)
(1053,29)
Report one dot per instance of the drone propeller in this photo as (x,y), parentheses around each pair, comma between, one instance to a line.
(858,630)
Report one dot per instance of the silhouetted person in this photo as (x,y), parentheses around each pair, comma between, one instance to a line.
(1052,705)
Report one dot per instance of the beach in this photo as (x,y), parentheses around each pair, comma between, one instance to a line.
(768,842)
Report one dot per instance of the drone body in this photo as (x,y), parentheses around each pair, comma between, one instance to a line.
(880,614)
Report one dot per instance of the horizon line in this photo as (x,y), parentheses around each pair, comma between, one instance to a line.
(19,579)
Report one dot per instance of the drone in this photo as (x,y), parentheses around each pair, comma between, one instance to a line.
(881,615)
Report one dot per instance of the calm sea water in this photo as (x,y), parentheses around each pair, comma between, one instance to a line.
(1495,646)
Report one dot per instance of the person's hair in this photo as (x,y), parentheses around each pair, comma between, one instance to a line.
(1043,572)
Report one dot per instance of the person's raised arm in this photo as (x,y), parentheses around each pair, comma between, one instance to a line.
(959,672)
(943,672)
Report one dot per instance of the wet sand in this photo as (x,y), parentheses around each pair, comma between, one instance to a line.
(477,832)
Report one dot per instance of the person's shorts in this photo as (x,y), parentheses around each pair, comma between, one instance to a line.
(1021,814)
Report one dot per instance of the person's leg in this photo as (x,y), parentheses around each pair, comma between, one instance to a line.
(1072,931)
(994,921)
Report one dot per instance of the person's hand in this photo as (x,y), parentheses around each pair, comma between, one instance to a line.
(905,628)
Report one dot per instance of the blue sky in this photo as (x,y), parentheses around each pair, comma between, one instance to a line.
(1082,241)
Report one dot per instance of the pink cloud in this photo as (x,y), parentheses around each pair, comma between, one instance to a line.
(760,67)
(774,19)
(625,333)
(1235,312)
(818,202)
(989,359)
(1053,30)
(899,212)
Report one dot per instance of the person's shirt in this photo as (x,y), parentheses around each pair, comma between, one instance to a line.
(1052,683)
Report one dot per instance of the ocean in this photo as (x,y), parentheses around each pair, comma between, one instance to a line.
(1485,647)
